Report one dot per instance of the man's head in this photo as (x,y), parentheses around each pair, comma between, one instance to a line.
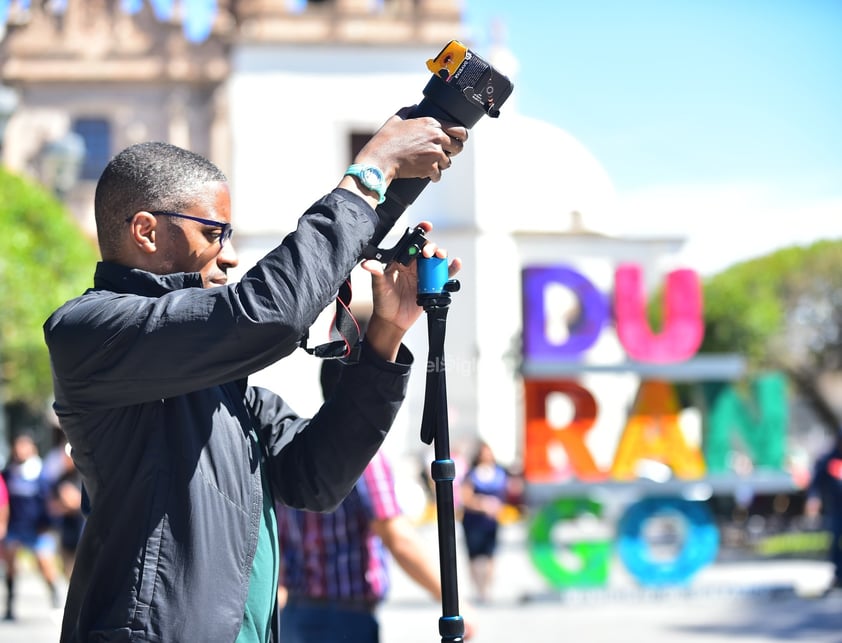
(164,209)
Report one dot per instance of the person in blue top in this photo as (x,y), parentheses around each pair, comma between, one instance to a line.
(484,491)
(29,521)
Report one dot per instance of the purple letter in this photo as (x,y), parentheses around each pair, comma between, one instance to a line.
(563,313)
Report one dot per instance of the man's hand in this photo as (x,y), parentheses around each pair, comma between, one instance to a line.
(394,293)
(409,148)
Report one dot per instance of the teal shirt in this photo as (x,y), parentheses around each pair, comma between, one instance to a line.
(263,582)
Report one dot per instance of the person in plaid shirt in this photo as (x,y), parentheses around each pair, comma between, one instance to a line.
(334,570)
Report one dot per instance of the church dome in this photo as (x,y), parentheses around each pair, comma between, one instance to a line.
(531,176)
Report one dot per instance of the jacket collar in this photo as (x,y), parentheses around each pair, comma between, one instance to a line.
(122,279)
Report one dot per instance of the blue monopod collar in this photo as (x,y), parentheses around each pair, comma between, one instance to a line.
(432,275)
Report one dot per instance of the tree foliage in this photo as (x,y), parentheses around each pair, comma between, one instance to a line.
(782,311)
(45,259)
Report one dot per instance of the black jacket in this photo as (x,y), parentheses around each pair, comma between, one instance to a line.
(150,388)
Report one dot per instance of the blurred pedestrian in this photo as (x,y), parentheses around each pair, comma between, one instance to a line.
(29,522)
(824,497)
(55,459)
(65,506)
(4,511)
(484,491)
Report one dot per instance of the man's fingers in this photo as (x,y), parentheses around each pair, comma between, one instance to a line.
(373,266)
(454,146)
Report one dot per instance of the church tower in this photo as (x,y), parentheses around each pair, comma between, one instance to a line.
(103,74)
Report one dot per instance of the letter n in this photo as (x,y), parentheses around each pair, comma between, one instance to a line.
(759,420)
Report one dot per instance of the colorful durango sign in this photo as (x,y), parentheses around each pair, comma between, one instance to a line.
(569,471)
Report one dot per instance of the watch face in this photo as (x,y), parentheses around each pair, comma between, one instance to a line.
(372,177)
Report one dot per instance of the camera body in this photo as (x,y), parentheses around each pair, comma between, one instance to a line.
(462,89)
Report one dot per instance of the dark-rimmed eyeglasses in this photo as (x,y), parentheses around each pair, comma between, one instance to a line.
(225,228)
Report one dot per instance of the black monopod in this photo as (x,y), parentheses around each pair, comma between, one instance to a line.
(462,89)
(434,290)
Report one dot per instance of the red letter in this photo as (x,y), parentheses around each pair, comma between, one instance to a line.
(541,436)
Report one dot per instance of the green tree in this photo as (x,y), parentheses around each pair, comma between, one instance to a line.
(782,311)
(45,259)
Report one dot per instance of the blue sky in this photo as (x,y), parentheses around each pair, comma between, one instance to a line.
(714,112)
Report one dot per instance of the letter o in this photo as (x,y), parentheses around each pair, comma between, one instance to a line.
(698,549)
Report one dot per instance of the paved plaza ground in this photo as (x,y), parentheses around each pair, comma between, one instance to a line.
(738,601)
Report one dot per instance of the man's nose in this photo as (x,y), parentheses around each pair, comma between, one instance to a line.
(227,257)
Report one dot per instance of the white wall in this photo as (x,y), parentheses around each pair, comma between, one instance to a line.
(293,109)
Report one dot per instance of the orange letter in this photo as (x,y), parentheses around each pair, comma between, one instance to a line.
(653,433)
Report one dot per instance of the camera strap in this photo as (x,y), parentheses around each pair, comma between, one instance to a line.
(344,328)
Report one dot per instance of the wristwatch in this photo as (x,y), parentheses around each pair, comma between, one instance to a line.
(370,177)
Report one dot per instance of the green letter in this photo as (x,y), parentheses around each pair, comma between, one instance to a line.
(760,422)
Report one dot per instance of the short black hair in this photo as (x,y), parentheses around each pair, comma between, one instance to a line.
(147,176)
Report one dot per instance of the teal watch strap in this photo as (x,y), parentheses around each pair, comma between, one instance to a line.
(371,177)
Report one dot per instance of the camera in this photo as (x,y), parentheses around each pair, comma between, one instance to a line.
(462,89)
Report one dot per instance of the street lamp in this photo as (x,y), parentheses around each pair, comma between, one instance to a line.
(61,163)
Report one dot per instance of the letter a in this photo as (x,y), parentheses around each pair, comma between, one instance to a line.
(653,433)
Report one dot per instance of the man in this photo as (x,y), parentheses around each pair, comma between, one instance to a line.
(335,572)
(824,495)
(180,458)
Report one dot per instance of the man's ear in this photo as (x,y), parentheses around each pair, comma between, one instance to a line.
(143,226)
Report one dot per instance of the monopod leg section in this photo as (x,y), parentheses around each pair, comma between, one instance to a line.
(451,624)
(434,430)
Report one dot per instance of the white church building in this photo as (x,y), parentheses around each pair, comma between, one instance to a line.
(279,94)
